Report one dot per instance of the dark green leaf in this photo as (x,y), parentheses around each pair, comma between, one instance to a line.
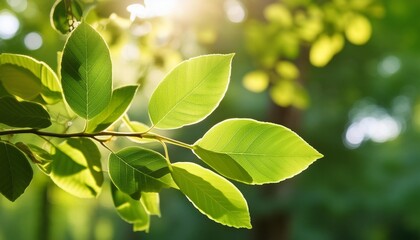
(86,72)
(65,15)
(135,169)
(15,171)
(23,114)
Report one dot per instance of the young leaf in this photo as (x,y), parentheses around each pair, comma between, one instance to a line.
(132,211)
(23,114)
(150,201)
(255,152)
(15,171)
(61,20)
(120,101)
(28,78)
(190,92)
(135,169)
(76,167)
(86,72)
(43,157)
(212,195)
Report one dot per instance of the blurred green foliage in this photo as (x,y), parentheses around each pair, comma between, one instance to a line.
(367,190)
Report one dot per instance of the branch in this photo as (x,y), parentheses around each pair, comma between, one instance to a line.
(145,135)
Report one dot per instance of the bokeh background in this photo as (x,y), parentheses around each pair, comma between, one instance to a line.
(343,74)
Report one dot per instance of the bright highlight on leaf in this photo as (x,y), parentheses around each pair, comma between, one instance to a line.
(212,195)
(76,167)
(191,91)
(132,211)
(27,78)
(86,72)
(15,171)
(255,152)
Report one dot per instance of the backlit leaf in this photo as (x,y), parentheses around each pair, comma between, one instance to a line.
(86,72)
(358,29)
(135,169)
(151,201)
(190,92)
(255,152)
(23,114)
(15,171)
(76,167)
(120,101)
(132,211)
(212,195)
(28,78)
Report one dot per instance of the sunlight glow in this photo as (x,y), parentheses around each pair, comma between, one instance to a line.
(9,25)
(18,5)
(152,8)
(235,11)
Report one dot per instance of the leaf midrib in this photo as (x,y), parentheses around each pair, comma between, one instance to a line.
(188,93)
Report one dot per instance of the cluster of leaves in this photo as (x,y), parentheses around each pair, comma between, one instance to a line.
(290,25)
(40,105)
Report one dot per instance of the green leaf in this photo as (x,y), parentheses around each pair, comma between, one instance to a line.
(61,20)
(130,210)
(76,167)
(190,92)
(255,152)
(86,72)
(120,101)
(28,78)
(23,114)
(212,195)
(136,127)
(43,158)
(15,171)
(135,169)
(150,201)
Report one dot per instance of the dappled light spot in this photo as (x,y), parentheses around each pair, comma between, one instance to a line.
(256,81)
(33,41)
(235,11)
(372,123)
(389,66)
(9,25)
(358,29)
(18,5)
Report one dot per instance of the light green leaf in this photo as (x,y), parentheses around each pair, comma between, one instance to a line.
(120,101)
(190,92)
(15,171)
(135,169)
(76,167)
(150,201)
(136,127)
(23,114)
(212,195)
(255,152)
(86,72)
(61,20)
(130,210)
(43,157)
(28,78)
